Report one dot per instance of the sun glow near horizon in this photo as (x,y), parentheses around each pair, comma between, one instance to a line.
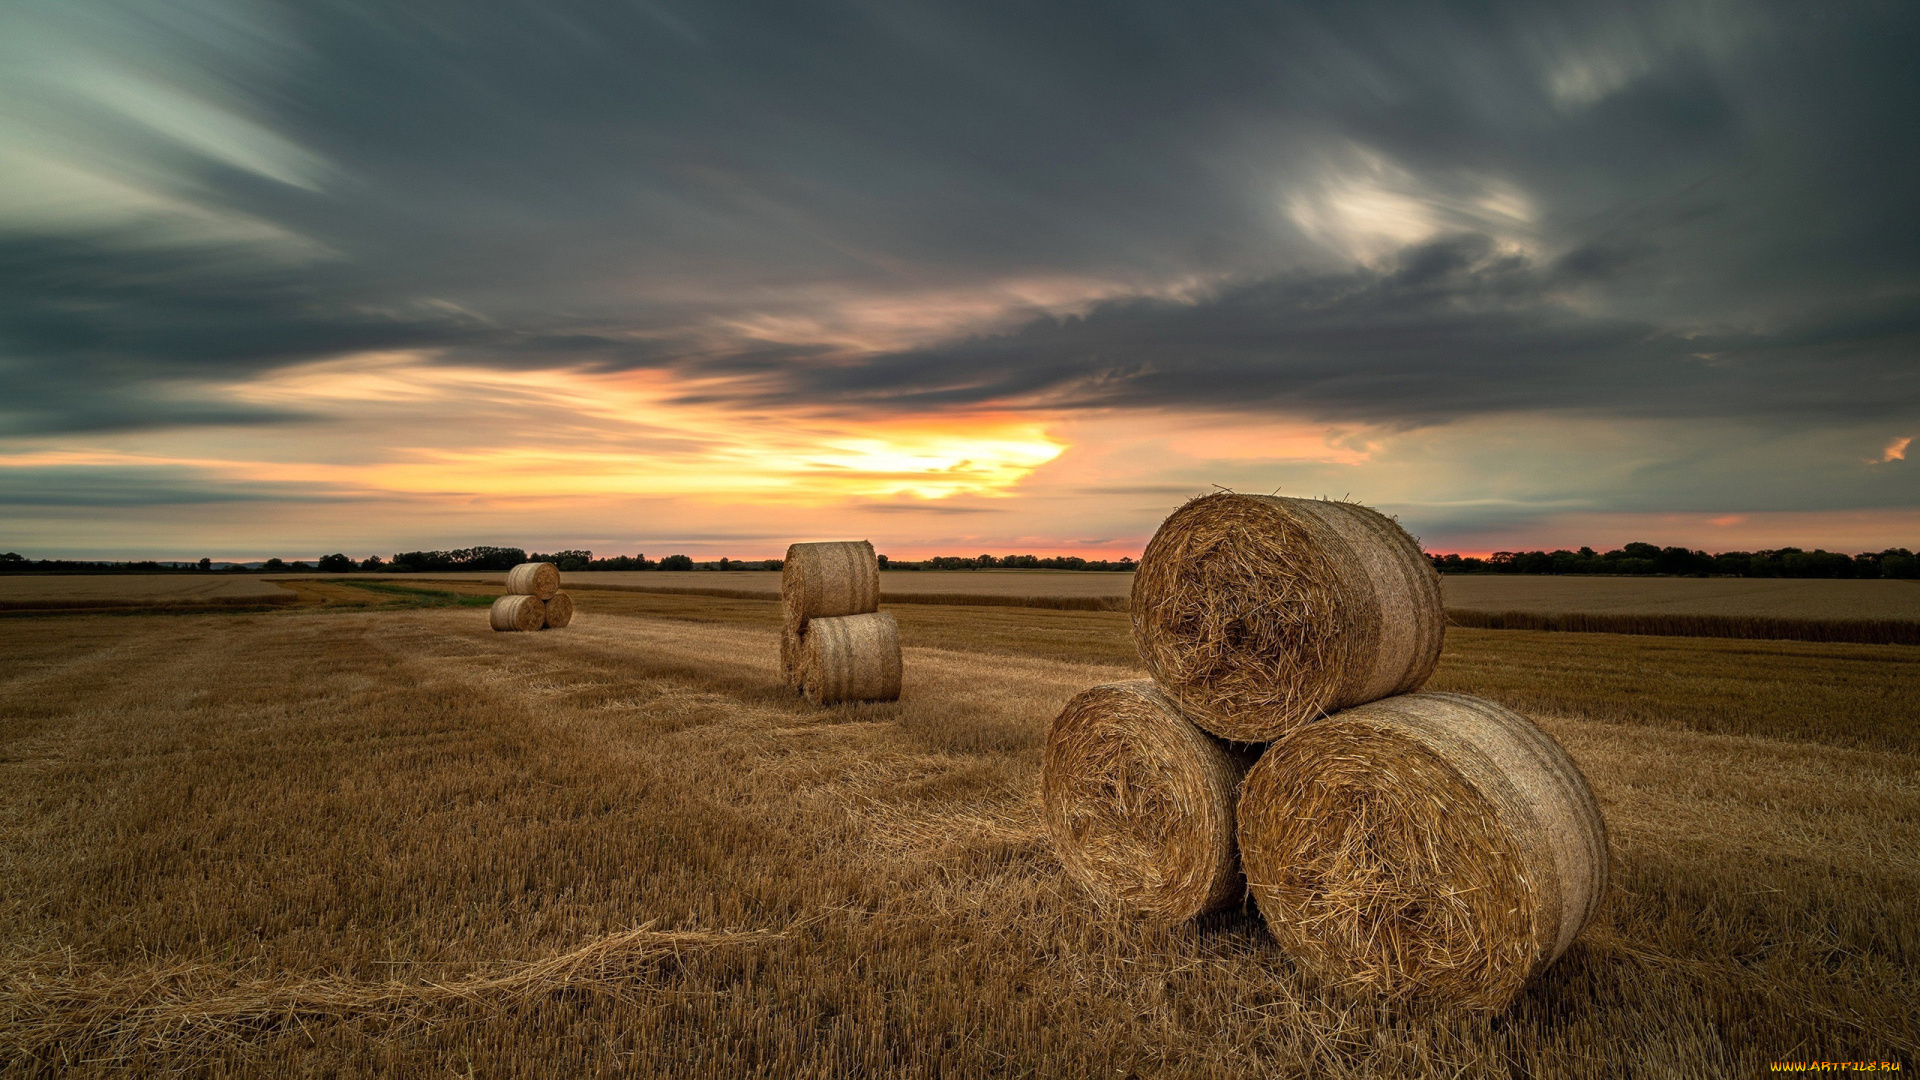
(419,429)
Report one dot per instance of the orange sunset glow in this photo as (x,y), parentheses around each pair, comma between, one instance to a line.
(281,281)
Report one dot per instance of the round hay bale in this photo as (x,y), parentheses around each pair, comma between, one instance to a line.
(851,658)
(559,611)
(1139,803)
(829,579)
(518,611)
(792,644)
(541,579)
(1432,845)
(1257,614)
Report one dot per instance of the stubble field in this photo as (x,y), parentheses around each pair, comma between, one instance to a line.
(1788,598)
(369,836)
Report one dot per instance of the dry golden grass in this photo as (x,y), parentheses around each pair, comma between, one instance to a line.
(1863,612)
(99,592)
(1766,597)
(1845,695)
(893,583)
(392,842)
(149,588)
(1780,598)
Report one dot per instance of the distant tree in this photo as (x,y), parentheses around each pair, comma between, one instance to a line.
(336,563)
(273,564)
(1819,564)
(1679,560)
(676,562)
(206,564)
(621,562)
(372,562)
(568,561)
(298,565)
(882,558)
(484,558)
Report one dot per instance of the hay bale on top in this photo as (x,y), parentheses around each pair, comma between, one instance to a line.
(1139,803)
(792,643)
(541,579)
(559,611)
(518,611)
(829,579)
(1432,845)
(1257,613)
(851,658)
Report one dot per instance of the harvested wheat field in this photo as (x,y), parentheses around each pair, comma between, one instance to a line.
(1806,598)
(27,592)
(893,583)
(1780,598)
(384,840)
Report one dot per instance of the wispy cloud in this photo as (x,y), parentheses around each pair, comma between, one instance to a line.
(722,269)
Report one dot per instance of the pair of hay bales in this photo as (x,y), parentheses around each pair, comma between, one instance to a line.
(533,600)
(835,643)
(1397,844)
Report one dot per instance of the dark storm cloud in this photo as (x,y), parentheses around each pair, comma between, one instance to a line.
(1718,217)
(1455,330)
(133,486)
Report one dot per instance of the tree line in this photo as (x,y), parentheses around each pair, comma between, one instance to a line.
(1638,558)
(1633,559)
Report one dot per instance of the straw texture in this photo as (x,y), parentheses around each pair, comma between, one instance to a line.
(518,611)
(1257,614)
(559,611)
(1430,845)
(541,579)
(792,644)
(1140,803)
(827,580)
(851,658)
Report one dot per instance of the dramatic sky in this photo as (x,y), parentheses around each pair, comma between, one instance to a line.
(656,275)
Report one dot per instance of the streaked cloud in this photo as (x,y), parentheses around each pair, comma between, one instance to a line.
(704,273)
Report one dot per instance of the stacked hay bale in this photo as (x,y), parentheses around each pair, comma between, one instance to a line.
(1397,844)
(518,611)
(1428,845)
(533,600)
(1259,613)
(1139,802)
(835,643)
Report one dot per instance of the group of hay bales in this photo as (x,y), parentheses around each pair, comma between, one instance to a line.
(835,643)
(1397,844)
(533,600)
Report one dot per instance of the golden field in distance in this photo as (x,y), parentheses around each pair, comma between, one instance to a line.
(391,842)
(1772,597)
(27,590)
(1796,598)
